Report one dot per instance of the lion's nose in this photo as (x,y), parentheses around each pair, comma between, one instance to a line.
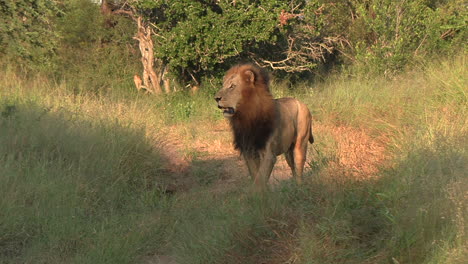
(217,98)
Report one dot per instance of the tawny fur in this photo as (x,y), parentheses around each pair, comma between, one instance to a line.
(263,127)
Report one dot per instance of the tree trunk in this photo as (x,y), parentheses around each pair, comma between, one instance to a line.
(151,80)
(152,75)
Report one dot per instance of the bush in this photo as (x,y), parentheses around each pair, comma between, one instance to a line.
(96,53)
(385,35)
(28,33)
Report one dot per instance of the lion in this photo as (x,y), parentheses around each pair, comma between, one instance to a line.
(264,128)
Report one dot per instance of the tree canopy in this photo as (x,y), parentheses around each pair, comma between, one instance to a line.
(27,30)
(201,38)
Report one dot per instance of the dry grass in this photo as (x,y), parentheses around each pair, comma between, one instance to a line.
(381,185)
(359,156)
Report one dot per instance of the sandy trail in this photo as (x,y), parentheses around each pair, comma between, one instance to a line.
(208,149)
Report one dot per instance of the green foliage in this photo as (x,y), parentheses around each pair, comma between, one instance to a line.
(95,53)
(27,32)
(200,38)
(197,36)
(386,35)
(81,23)
(68,40)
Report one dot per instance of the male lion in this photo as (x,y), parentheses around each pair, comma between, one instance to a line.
(264,127)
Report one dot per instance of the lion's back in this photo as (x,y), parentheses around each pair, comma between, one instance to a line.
(292,109)
(294,117)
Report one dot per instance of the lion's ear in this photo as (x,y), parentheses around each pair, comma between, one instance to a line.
(250,76)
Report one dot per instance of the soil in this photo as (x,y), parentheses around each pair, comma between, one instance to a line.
(357,155)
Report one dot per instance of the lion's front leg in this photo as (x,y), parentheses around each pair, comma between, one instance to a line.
(253,163)
(267,162)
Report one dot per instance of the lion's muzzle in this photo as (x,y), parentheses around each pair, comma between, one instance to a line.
(227,111)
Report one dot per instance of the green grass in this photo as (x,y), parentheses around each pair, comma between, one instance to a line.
(70,184)
(84,179)
(416,211)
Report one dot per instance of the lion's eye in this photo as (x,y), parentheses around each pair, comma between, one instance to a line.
(232,87)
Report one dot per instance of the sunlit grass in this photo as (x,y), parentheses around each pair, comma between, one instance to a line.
(83,176)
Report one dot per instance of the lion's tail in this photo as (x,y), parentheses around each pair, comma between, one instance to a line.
(311,137)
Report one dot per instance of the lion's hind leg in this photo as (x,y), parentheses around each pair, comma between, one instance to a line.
(289,155)
(299,153)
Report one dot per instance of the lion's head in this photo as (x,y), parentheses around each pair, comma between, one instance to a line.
(244,86)
(246,100)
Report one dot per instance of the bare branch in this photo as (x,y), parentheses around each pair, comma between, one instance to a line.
(303,53)
(124,12)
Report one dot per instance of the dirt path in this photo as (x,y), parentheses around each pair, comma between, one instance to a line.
(203,153)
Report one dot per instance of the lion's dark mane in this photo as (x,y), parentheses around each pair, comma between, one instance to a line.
(251,139)
(254,120)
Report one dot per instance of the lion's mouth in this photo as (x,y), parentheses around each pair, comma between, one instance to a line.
(227,111)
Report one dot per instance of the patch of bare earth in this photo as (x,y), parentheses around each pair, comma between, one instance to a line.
(210,147)
(216,145)
(355,154)
(358,155)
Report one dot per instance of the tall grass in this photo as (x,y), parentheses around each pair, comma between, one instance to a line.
(416,211)
(83,178)
(75,177)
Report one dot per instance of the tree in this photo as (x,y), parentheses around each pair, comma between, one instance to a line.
(200,38)
(27,31)
(153,70)
(386,35)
